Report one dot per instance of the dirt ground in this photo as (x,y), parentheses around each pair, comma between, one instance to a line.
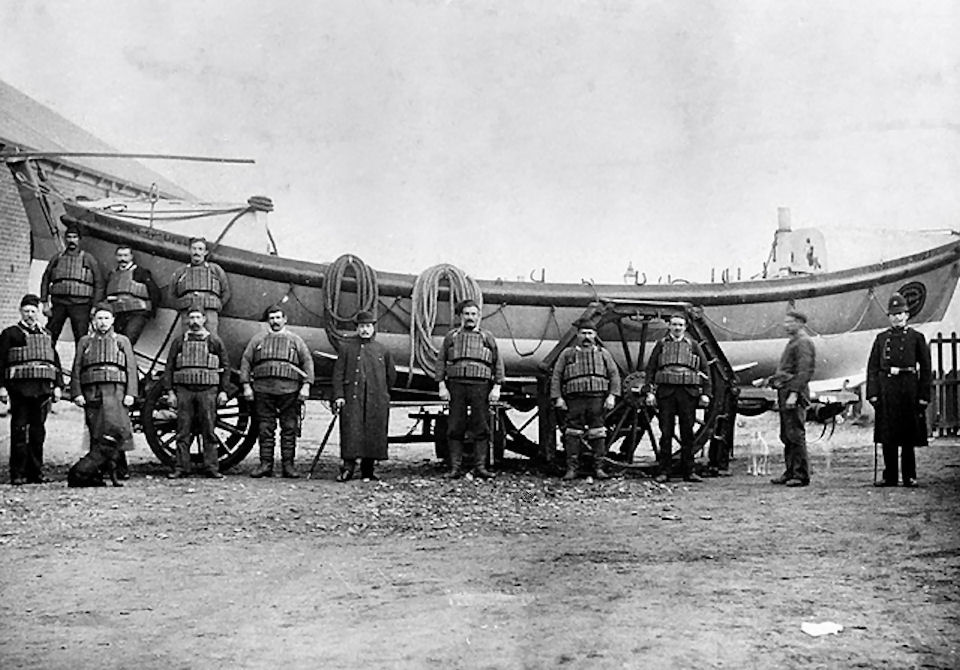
(521,572)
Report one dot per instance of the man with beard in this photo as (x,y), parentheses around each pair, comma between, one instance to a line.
(899,376)
(200,281)
(362,377)
(276,372)
(469,372)
(679,380)
(196,380)
(71,284)
(104,383)
(585,383)
(30,379)
(133,294)
(792,378)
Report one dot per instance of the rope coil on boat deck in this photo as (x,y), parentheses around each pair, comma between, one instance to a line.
(368,294)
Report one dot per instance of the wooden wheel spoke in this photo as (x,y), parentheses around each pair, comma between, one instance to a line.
(230,428)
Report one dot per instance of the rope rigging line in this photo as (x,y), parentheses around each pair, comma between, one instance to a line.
(423,353)
(368,295)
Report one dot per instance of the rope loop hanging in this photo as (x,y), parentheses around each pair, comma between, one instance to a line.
(424,305)
(337,324)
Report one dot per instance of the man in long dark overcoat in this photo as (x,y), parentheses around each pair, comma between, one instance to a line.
(362,377)
(898,386)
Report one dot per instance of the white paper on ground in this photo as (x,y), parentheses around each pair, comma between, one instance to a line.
(822,628)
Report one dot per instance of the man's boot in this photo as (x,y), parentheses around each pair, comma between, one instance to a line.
(599,452)
(571,445)
(265,469)
(479,458)
(456,459)
(287,468)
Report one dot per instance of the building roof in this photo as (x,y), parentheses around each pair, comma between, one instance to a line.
(31,126)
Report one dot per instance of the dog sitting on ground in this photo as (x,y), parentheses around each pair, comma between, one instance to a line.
(759,457)
(100,460)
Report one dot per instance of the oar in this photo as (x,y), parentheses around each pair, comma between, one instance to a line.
(323,443)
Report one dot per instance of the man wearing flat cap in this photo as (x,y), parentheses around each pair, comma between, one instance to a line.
(71,285)
(104,383)
(362,377)
(899,377)
(792,378)
(30,379)
(469,373)
(585,383)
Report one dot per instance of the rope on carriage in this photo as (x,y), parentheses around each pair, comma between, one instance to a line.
(423,353)
(368,295)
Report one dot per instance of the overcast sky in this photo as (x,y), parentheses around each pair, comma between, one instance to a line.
(513,135)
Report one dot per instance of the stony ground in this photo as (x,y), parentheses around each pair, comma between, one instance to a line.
(521,572)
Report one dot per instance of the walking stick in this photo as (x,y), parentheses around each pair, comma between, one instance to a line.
(323,443)
(874,462)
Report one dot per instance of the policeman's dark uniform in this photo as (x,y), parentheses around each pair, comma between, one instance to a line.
(135,297)
(73,282)
(197,371)
(678,375)
(584,376)
(899,380)
(29,370)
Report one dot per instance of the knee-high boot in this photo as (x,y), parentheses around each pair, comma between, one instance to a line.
(571,446)
(265,469)
(456,459)
(480,448)
(599,452)
(287,454)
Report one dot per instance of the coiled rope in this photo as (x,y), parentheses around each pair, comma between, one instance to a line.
(368,293)
(423,353)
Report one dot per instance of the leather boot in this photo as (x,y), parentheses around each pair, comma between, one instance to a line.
(571,446)
(479,457)
(456,459)
(288,469)
(599,452)
(265,469)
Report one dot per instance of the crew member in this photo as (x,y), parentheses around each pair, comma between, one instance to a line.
(679,379)
(469,372)
(30,379)
(792,378)
(898,386)
(585,383)
(276,372)
(133,294)
(200,281)
(104,383)
(196,379)
(71,284)
(362,377)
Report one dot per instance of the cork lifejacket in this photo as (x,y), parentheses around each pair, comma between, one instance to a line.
(103,361)
(71,277)
(470,356)
(585,372)
(678,364)
(127,295)
(276,356)
(195,363)
(34,360)
(200,284)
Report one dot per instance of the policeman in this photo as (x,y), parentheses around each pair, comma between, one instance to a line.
(585,383)
(133,294)
(276,372)
(679,379)
(899,377)
(200,281)
(30,379)
(71,284)
(104,382)
(469,373)
(196,381)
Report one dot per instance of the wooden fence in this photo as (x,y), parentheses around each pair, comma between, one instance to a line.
(944,411)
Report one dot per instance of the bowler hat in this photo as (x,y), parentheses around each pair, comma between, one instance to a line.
(366,317)
(31,300)
(897,304)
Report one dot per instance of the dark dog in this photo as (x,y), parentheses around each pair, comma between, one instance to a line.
(102,459)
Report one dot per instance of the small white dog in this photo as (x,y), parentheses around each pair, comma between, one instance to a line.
(759,456)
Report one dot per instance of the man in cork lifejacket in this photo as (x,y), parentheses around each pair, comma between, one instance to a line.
(104,383)
(200,281)
(276,372)
(585,383)
(30,379)
(195,380)
(71,285)
(133,294)
(679,379)
(469,373)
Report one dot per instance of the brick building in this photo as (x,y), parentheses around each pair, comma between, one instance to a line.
(26,125)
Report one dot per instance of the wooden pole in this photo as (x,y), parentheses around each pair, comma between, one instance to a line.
(99,154)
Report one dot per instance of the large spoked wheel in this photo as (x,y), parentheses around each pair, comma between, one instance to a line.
(235,430)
